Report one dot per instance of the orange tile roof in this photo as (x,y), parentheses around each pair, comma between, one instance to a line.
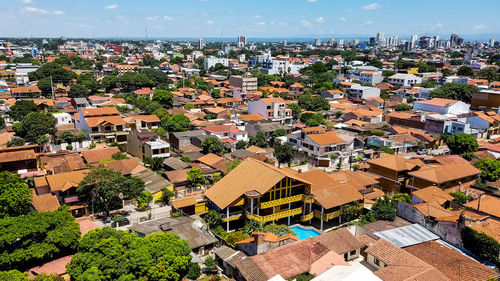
(487,204)
(97,154)
(104,120)
(251,117)
(325,138)
(271,100)
(438,102)
(45,202)
(20,155)
(313,129)
(446,172)
(433,194)
(30,89)
(125,166)
(65,181)
(146,118)
(393,162)
(210,159)
(91,112)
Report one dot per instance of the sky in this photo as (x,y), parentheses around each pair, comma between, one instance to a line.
(253,18)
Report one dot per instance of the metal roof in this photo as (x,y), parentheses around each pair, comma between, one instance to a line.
(407,235)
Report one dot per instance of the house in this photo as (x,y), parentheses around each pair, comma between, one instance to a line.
(228,257)
(142,143)
(126,167)
(261,242)
(486,205)
(272,109)
(61,162)
(392,171)
(296,89)
(357,92)
(332,94)
(370,116)
(371,77)
(246,82)
(266,128)
(451,177)
(443,106)
(102,124)
(80,103)
(63,187)
(147,122)
(314,256)
(144,92)
(394,263)
(227,133)
(487,122)
(317,144)
(98,154)
(431,194)
(277,194)
(404,80)
(63,118)
(183,139)
(18,160)
(25,92)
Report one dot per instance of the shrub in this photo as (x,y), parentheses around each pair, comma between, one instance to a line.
(194,271)
(236,236)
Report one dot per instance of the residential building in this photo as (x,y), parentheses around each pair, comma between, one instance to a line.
(29,92)
(227,133)
(63,118)
(486,99)
(393,172)
(404,80)
(362,92)
(272,109)
(317,144)
(332,94)
(278,194)
(245,82)
(146,122)
(371,77)
(142,143)
(102,124)
(443,106)
(23,160)
(261,242)
(212,61)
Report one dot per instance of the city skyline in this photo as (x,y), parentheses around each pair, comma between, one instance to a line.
(261,19)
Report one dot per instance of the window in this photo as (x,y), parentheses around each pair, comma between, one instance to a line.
(376,261)
(95,129)
(352,253)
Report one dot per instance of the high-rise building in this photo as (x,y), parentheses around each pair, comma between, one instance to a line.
(413,41)
(456,41)
(242,41)
(372,40)
(284,43)
(380,39)
(491,43)
(331,42)
(201,44)
(341,42)
(355,42)
(317,42)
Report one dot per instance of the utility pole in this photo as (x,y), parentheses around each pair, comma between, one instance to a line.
(52,87)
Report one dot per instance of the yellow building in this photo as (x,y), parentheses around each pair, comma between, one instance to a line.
(258,191)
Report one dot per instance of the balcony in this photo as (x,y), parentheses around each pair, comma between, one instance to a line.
(232,216)
(281,201)
(326,217)
(276,216)
(307,217)
(71,199)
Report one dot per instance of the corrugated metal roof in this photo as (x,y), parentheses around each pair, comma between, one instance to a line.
(407,235)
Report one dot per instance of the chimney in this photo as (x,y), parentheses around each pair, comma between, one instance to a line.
(300,171)
(258,237)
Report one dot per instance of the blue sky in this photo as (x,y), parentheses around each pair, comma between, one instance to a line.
(254,18)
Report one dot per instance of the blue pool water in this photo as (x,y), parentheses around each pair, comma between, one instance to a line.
(304,233)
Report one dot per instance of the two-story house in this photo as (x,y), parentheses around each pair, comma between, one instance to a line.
(227,133)
(142,143)
(357,92)
(147,122)
(272,109)
(102,124)
(371,77)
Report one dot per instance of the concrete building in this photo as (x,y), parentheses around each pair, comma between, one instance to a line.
(143,143)
(273,109)
(443,106)
(371,77)
(246,82)
(404,80)
(362,92)
(212,61)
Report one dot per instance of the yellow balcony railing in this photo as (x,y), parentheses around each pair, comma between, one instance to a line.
(276,216)
(281,201)
(308,199)
(326,217)
(307,217)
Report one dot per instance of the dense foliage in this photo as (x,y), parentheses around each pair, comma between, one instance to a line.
(15,195)
(212,144)
(284,154)
(480,244)
(108,254)
(34,125)
(490,169)
(454,91)
(461,143)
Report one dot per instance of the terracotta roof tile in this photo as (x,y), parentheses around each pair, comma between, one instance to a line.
(98,154)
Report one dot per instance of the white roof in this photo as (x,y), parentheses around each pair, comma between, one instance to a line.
(407,235)
(356,271)
(402,76)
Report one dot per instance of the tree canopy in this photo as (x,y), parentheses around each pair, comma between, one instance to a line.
(34,125)
(259,140)
(212,144)
(164,98)
(284,154)
(15,195)
(21,108)
(454,91)
(108,254)
(461,143)
(105,186)
(29,239)
(490,169)
(196,177)
(178,123)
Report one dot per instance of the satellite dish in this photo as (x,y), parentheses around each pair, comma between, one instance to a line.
(120,195)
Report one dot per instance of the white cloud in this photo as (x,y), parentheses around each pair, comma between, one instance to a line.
(111,7)
(479,26)
(209,22)
(343,19)
(261,23)
(257,17)
(312,1)
(167,18)
(34,10)
(158,18)
(26,1)
(439,24)
(305,23)
(372,6)
(368,22)
(320,20)
(59,13)
(282,23)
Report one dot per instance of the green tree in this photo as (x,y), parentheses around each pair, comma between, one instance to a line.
(480,244)
(384,209)
(119,255)
(284,154)
(103,187)
(295,110)
(350,211)
(178,123)
(489,73)
(278,229)
(236,236)
(119,156)
(14,275)
(196,177)
(143,200)
(461,143)
(155,163)
(163,97)
(210,264)
(15,195)
(466,71)
(27,240)
(259,140)
(403,197)
(241,144)
(34,125)
(402,107)
(213,219)
(16,141)
(194,271)
(490,169)
(460,197)
(454,91)
(48,277)
(78,91)
(213,145)
(231,165)
(21,108)
(45,87)
(251,226)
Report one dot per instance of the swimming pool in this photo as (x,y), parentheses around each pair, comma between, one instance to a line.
(304,233)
